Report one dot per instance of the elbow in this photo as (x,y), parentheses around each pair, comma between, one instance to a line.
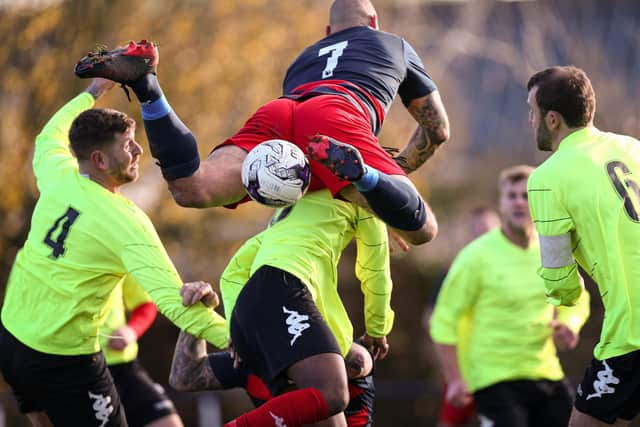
(427,233)
(440,135)
(178,383)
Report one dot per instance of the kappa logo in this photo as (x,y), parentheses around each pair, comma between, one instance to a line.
(485,421)
(279,421)
(102,406)
(601,385)
(295,321)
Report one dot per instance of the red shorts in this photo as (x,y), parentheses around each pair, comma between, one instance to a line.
(451,414)
(297,122)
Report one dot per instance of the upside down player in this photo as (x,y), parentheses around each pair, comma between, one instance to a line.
(341,87)
(287,320)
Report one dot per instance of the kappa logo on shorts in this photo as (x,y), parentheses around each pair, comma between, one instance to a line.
(279,420)
(601,385)
(102,406)
(485,421)
(295,321)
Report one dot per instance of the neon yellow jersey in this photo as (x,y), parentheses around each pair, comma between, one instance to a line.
(127,296)
(493,287)
(307,241)
(590,188)
(83,241)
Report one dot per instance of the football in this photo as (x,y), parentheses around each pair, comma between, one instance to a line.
(276,173)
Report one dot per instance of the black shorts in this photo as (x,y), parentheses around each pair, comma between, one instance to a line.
(525,403)
(72,390)
(144,400)
(275,324)
(610,388)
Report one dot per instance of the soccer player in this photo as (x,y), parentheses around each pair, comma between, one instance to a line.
(373,270)
(585,200)
(84,238)
(287,322)
(481,220)
(338,89)
(145,402)
(506,356)
(193,369)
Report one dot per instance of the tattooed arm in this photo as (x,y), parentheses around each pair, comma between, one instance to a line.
(433,130)
(190,368)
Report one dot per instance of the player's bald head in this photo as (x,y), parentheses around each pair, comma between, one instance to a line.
(352,13)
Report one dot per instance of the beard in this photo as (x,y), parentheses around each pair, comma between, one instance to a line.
(543,137)
(123,175)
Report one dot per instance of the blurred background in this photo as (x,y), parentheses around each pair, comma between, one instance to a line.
(221,59)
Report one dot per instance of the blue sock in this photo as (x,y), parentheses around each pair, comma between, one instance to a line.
(368,181)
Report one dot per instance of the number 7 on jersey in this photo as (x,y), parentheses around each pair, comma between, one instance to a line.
(336,50)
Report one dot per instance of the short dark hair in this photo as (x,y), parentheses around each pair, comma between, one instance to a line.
(95,129)
(514,174)
(567,90)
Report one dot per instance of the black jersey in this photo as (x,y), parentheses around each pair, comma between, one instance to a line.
(382,63)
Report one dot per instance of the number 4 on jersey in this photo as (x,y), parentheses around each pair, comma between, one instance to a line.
(64,223)
(336,50)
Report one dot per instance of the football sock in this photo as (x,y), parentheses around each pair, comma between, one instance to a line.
(393,201)
(170,141)
(293,409)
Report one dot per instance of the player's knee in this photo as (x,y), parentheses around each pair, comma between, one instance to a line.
(337,398)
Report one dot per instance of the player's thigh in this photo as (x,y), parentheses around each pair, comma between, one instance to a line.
(499,406)
(273,120)
(610,389)
(336,117)
(144,400)
(81,392)
(275,324)
(39,419)
(71,390)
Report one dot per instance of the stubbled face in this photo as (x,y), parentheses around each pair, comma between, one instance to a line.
(537,123)
(514,205)
(124,156)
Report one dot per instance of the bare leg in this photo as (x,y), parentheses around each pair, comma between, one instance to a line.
(217,182)
(39,419)
(580,419)
(326,373)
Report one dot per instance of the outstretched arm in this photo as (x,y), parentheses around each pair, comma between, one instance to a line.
(190,368)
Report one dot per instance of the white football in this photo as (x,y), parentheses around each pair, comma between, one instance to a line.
(276,173)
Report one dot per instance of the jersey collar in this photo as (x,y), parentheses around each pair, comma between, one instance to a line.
(578,136)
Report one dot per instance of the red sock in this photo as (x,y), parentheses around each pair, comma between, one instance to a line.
(292,409)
